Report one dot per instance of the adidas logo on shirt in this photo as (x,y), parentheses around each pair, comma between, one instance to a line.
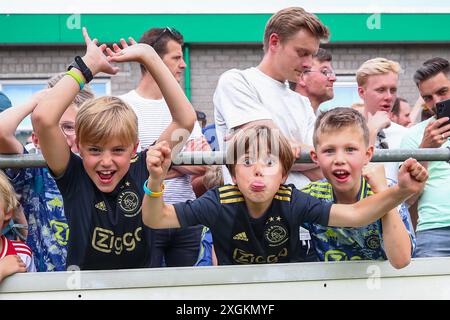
(101,206)
(241,236)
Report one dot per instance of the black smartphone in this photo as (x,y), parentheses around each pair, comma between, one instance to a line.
(443,110)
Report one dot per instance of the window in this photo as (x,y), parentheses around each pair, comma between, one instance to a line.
(20,91)
(345,93)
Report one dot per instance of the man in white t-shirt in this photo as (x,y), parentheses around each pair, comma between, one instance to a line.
(171,247)
(377,86)
(261,95)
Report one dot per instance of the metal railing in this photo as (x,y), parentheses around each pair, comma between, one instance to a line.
(217,157)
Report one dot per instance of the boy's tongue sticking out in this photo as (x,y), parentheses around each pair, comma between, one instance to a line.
(258,186)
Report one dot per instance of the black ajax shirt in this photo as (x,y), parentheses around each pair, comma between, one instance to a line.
(240,239)
(106,229)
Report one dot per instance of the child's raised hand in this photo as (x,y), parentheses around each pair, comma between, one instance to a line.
(134,52)
(10,265)
(94,58)
(375,175)
(124,45)
(412,176)
(159,160)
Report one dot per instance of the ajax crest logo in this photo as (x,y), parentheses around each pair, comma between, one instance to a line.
(128,202)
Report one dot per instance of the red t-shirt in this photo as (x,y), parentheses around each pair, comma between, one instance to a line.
(18,248)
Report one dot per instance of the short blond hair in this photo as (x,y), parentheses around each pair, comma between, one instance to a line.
(338,119)
(376,66)
(8,196)
(105,118)
(289,21)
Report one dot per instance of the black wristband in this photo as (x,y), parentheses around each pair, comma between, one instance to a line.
(80,65)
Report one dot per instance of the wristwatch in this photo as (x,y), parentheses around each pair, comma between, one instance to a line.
(80,65)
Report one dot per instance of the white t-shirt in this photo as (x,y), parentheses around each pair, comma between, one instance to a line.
(153,118)
(248,95)
(394,135)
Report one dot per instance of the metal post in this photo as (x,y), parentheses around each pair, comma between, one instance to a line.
(187,71)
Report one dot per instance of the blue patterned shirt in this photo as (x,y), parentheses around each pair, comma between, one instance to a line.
(342,244)
(206,247)
(48,231)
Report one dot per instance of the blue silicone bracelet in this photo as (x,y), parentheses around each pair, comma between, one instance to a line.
(152,193)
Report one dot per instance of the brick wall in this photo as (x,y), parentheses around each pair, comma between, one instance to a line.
(209,62)
(44,62)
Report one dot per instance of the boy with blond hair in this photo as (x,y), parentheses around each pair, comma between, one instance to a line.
(15,256)
(342,150)
(257,219)
(102,190)
(173,248)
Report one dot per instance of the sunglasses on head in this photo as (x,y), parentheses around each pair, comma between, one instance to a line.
(164,31)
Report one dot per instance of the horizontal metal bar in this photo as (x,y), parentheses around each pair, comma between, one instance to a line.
(22,161)
(380,155)
(217,157)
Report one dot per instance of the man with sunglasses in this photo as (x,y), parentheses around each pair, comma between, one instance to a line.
(317,83)
(171,247)
(48,230)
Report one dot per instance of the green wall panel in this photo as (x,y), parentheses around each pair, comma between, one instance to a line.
(218,28)
(29,28)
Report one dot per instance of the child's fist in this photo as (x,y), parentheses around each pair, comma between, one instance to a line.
(375,176)
(159,160)
(412,176)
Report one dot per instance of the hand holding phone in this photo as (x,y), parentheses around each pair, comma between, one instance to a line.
(443,110)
